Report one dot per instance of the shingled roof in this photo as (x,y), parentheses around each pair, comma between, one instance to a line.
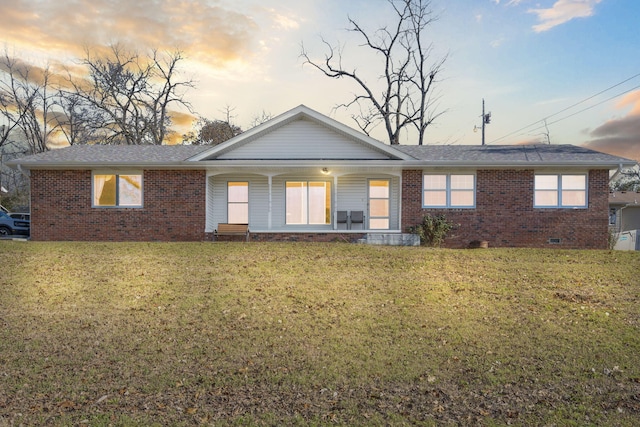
(108,155)
(510,154)
(95,156)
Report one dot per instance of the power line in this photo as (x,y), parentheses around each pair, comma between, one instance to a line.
(572,106)
(583,110)
(595,105)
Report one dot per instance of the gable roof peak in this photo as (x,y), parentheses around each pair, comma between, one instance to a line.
(301,112)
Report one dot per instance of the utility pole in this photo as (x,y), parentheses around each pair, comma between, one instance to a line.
(486,119)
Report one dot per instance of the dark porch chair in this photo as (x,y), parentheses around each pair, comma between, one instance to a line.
(342,218)
(357,217)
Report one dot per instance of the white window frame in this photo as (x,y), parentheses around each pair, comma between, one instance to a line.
(307,200)
(230,203)
(117,175)
(449,190)
(376,219)
(560,191)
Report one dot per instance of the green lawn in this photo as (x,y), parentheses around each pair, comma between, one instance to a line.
(316,334)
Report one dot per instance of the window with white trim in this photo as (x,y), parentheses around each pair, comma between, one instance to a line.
(238,202)
(117,190)
(379,204)
(449,190)
(308,202)
(560,191)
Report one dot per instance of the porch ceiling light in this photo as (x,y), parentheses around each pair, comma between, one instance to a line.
(325,171)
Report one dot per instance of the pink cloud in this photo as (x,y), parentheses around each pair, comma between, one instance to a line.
(620,136)
(203,30)
(562,11)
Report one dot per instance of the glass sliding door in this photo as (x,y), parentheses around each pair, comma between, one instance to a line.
(308,202)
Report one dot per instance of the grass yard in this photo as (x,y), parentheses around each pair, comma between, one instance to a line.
(232,334)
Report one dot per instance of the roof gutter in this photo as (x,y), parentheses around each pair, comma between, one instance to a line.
(294,163)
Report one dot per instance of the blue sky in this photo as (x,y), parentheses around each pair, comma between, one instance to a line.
(529,59)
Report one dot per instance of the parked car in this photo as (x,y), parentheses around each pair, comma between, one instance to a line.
(11,226)
(20,215)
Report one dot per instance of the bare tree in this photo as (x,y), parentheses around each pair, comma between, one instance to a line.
(76,121)
(25,110)
(261,118)
(406,100)
(127,97)
(26,104)
(211,132)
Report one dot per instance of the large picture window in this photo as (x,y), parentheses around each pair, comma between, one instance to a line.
(238,202)
(560,191)
(449,191)
(111,190)
(308,202)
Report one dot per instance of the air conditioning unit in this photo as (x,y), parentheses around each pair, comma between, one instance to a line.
(628,241)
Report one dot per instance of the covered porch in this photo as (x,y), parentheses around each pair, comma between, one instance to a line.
(323,201)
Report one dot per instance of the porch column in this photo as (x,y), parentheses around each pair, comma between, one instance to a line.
(270,179)
(400,193)
(335,201)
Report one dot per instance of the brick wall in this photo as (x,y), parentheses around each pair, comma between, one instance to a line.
(504,215)
(174,208)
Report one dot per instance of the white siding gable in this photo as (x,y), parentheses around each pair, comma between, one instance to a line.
(303,139)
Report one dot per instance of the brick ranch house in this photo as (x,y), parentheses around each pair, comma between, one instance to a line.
(305,177)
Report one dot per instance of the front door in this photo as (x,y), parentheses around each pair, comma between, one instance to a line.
(379,204)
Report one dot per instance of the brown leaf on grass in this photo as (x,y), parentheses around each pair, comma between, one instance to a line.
(67,405)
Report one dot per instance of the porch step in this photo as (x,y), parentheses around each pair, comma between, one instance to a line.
(395,239)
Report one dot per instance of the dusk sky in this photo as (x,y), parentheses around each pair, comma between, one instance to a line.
(574,62)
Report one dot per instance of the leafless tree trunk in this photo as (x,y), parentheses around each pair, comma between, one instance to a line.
(406,99)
